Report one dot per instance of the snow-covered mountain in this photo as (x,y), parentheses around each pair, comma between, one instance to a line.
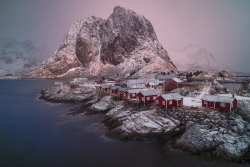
(19,57)
(195,58)
(123,43)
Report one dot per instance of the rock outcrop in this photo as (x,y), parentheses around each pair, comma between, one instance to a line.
(63,93)
(125,124)
(102,106)
(213,133)
(205,132)
(125,42)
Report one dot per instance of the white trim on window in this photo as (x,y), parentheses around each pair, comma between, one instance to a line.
(154,97)
(170,102)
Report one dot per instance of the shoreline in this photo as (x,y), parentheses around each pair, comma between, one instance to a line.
(125,124)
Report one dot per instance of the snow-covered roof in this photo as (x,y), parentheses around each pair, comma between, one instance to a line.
(172,96)
(165,76)
(177,80)
(114,87)
(147,80)
(214,98)
(122,89)
(134,90)
(136,81)
(106,86)
(149,93)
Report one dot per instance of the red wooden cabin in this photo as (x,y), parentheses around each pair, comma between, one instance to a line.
(105,88)
(169,100)
(172,84)
(111,79)
(150,85)
(73,86)
(115,79)
(148,96)
(130,94)
(121,90)
(114,89)
(219,102)
(98,82)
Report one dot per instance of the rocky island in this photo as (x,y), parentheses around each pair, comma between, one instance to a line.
(197,131)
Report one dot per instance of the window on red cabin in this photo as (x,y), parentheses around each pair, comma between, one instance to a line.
(154,97)
(157,101)
(142,98)
(148,98)
(170,101)
(163,103)
(223,104)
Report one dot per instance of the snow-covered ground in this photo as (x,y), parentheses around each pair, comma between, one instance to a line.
(196,101)
(191,101)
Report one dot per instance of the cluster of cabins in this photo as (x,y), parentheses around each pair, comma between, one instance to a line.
(142,91)
(138,91)
(143,96)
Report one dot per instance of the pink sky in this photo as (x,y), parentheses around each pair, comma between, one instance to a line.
(220,26)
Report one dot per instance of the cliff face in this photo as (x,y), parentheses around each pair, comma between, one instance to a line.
(123,43)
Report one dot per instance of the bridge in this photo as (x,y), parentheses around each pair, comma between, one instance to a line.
(241,76)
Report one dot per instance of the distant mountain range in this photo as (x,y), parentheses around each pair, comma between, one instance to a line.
(20,57)
(125,43)
(196,58)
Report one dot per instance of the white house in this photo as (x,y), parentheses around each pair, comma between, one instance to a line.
(80,80)
(58,83)
(136,83)
(163,77)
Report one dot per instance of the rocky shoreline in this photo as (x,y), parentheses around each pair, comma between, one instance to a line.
(201,132)
(64,94)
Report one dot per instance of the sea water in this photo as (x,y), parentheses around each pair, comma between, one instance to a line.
(36,133)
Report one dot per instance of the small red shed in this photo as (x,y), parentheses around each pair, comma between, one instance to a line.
(147,96)
(169,100)
(111,79)
(98,82)
(219,102)
(115,79)
(73,86)
(150,85)
(172,84)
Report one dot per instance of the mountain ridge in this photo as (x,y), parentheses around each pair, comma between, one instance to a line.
(20,56)
(124,42)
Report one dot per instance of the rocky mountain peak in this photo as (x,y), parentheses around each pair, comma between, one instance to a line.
(123,43)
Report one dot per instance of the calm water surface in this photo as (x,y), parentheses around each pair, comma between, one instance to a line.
(232,87)
(36,133)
